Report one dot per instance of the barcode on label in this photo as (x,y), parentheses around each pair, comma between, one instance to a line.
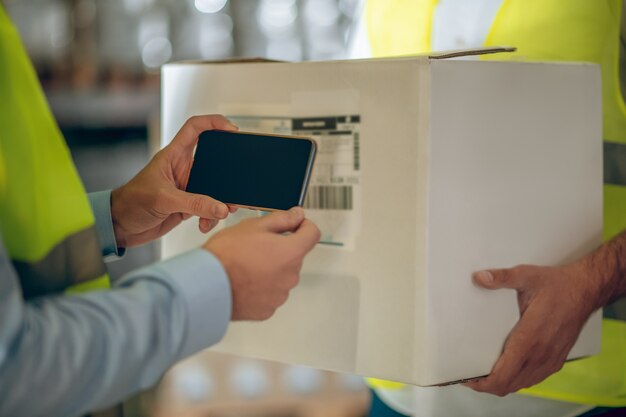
(357,152)
(329,197)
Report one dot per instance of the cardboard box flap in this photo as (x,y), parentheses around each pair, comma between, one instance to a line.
(471,52)
(431,55)
(234,60)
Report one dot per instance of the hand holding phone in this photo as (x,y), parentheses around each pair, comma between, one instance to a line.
(264,172)
(262,263)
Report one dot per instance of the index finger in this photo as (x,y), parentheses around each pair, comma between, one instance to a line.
(188,134)
(306,235)
(499,380)
(508,372)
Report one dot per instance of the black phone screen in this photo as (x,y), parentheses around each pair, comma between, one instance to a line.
(251,170)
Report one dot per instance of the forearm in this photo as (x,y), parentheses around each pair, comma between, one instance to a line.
(605,268)
(80,353)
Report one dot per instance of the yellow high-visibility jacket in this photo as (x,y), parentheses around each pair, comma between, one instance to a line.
(547,30)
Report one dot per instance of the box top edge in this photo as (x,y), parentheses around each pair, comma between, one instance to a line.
(439,55)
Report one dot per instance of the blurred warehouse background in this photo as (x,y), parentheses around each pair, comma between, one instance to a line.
(98,61)
(95,43)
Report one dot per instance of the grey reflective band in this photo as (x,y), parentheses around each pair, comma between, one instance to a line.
(76,259)
(615,163)
(616,310)
(615,174)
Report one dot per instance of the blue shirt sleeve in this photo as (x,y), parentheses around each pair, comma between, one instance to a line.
(65,355)
(101,207)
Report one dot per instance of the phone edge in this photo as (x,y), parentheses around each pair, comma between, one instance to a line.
(309,171)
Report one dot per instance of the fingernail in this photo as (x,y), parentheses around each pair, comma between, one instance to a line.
(484,276)
(220,211)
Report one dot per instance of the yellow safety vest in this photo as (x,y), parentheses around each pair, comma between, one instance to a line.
(45,217)
(547,30)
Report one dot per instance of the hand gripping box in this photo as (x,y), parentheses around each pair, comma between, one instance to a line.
(428,169)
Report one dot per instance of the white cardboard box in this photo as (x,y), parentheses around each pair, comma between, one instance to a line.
(448,167)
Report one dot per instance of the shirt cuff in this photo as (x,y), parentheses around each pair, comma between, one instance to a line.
(101,207)
(205,288)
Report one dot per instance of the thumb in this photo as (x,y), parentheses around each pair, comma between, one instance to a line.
(307,235)
(494,279)
(283,221)
(188,134)
(178,201)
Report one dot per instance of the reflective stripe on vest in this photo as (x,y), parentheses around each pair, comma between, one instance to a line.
(46,220)
(547,30)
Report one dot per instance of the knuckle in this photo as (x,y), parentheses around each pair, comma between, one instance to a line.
(266,313)
(285,222)
(187,125)
(501,391)
(160,198)
(160,154)
(196,204)
(479,386)
(294,280)
(555,368)
(288,282)
(523,269)
(505,275)
(162,194)
(282,298)
(299,264)
(193,123)
(560,365)
(525,385)
(317,234)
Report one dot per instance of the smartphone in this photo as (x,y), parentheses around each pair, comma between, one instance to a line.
(262,172)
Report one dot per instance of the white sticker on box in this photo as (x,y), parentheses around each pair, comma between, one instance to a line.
(333,201)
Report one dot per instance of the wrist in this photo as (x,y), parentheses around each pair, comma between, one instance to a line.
(604,271)
(224,260)
(588,281)
(117,211)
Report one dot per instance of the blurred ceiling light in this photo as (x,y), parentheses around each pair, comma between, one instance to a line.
(215,43)
(277,17)
(220,20)
(152,25)
(194,384)
(302,380)
(57,26)
(321,12)
(210,6)
(288,49)
(249,379)
(156,52)
(278,3)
